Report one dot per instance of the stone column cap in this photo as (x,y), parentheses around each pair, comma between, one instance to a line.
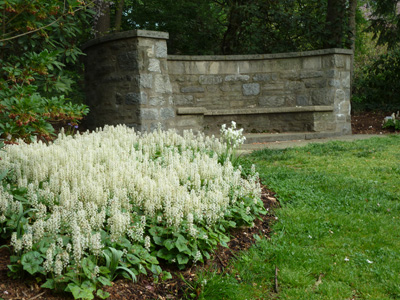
(125,35)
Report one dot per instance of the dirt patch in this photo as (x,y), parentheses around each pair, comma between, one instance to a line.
(369,122)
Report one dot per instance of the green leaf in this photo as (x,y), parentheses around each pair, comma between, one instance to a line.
(104,270)
(165,254)
(49,284)
(132,275)
(133,259)
(104,281)
(152,259)
(181,244)
(156,270)
(80,293)
(182,259)
(166,275)
(102,294)
(169,244)
(88,285)
(31,262)
(88,267)
(158,240)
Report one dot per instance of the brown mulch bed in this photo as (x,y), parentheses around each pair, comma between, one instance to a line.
(369,122)
(145,288)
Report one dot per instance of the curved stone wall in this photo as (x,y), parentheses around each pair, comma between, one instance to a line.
(130,79)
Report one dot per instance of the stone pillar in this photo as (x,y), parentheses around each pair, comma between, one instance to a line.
(127,80)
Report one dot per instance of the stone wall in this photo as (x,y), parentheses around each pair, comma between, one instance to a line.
(130,79)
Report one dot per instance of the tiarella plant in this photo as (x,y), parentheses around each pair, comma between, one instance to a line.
(88,208)
(232,138)
(392,122)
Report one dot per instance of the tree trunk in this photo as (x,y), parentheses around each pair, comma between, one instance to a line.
(118,15)
(353,30)
(334,23)
(102,18)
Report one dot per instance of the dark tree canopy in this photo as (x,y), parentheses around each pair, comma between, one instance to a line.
(239,26)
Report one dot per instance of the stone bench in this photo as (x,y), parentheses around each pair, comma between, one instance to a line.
(258,120)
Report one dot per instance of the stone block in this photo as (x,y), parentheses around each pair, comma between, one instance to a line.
(135,98)
(290,75)
(328,62)
(311,74)
(161,49)
(313,63)
(210,79)
(339,61)
(339,95)
(272,101)
(315,83)
(176,67)
(237,78)
(154,65)
(157,101)
(118,99)
(334,83)
(192,89)
(345,76)
(294,85)
(128,61)
(167,113)
(105,69)
(288,64)
(212,89)
(162,84)
(332,74)
(189,121)
(146,81)
(243,67)
(184,100)
(149,114)
(251,89)
(265,77)
(302,100)
(322,97)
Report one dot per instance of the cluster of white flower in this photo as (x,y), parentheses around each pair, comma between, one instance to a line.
(74,181)
(231,136)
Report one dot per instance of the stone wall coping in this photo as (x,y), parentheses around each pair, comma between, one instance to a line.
(126,35)
(251,111)
(258,56)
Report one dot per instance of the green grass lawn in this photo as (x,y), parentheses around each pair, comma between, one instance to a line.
(338,231)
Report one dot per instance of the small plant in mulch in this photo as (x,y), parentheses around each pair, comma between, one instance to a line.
(392,121)
(87,209)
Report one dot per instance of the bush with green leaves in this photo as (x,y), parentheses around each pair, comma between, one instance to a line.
(87,208)
(39,41)
(377,85)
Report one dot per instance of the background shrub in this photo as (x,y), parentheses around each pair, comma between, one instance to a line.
(377,85)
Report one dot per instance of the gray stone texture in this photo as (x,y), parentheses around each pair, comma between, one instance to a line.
(192,89)
(131,79)
(135,98)
(210,79)
(149,114)
(128,61)
(167,113)
(265,77)
(272,101)
(237,78)
(251,89)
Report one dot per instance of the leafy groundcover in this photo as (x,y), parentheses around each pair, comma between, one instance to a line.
(89,208)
